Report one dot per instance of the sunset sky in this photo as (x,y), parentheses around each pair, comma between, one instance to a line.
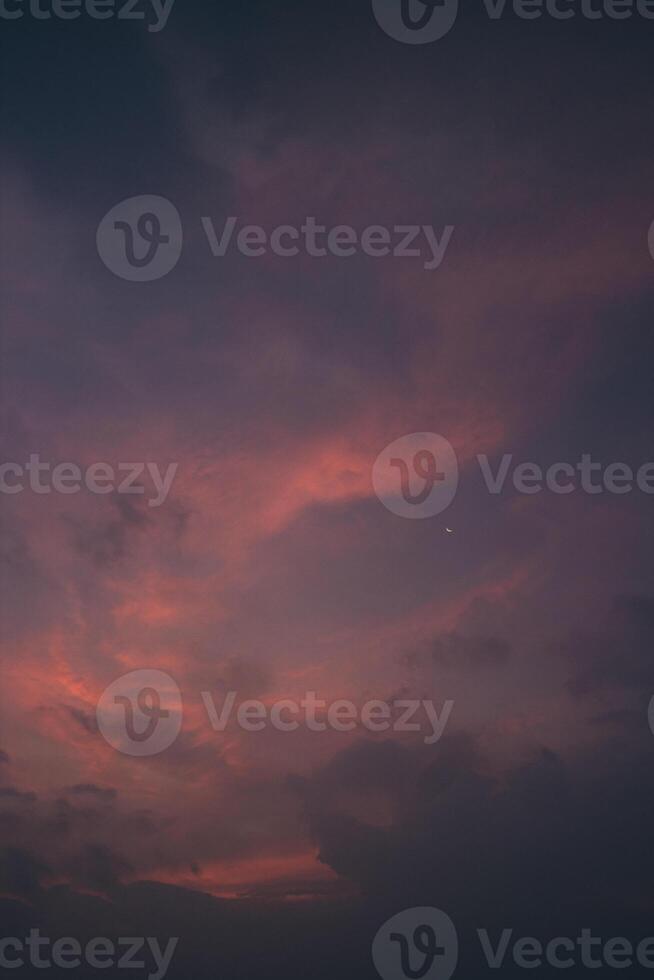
(272,568)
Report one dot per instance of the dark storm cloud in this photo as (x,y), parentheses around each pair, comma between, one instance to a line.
(85,719)
(477,847)
(249,677)
(491,853)
(111,540)
(473,651)
(83,835)
(10,793)
(20,872)
(104,794)
(23,580)
(456,650)
(619,655)
(99,867)
(115,123)
(217,937)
